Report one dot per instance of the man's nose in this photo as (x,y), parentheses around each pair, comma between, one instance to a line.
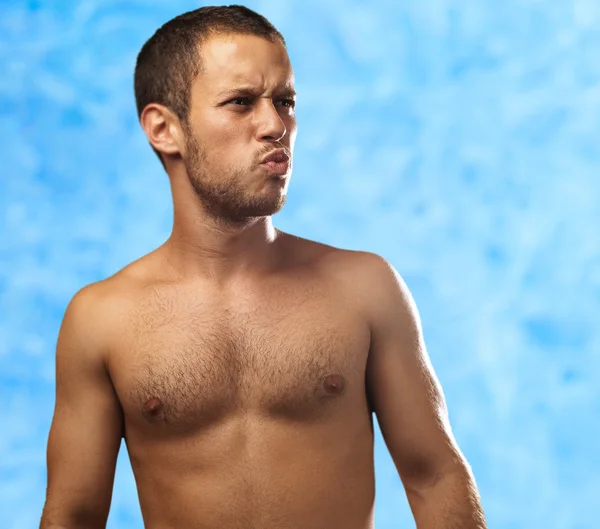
(269,125)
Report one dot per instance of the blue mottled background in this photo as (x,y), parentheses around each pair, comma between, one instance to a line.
(458,139)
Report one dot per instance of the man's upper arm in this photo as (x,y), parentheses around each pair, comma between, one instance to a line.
(86,429)
(405,393)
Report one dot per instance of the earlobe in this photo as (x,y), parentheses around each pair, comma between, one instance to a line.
(161,131)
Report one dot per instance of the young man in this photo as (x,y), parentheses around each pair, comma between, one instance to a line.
(242,364)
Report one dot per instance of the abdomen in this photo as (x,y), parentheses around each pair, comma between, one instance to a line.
(254,472)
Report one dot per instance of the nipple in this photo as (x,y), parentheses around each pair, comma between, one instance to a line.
(153,408)
(334,383)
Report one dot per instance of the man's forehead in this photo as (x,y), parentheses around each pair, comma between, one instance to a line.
(244,61)
(239,56)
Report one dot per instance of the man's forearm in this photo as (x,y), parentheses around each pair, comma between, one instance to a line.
(49,525)
(452,502)
(73,521)
(45,525)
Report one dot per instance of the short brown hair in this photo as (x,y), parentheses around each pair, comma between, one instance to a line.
(170,60)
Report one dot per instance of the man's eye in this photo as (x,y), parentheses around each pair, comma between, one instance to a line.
(290,103)
(241,101)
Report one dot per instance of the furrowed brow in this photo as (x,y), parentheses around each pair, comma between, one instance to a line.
(249,91)
(287,92)
(239,91)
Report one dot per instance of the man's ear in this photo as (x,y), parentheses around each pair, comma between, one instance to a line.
(163,129)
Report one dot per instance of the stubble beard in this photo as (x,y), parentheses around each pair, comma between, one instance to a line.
(221,193)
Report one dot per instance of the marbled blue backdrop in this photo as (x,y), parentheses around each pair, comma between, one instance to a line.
(458,139)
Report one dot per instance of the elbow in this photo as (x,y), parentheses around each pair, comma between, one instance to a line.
(73,518)
(422,476)
(72,525)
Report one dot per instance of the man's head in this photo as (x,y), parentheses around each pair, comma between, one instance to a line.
(214,93)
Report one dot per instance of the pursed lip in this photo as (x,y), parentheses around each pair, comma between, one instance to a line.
(277,156)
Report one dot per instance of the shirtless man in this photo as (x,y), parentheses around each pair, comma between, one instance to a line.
(241,364)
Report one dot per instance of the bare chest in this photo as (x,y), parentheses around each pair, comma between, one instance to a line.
(190,367)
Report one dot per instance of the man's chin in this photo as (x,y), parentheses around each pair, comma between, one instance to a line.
(267,209)
(253,211)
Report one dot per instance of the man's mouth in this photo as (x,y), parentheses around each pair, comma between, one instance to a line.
(277,156)
(277,162)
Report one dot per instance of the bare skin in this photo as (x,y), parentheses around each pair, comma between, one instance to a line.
(241,364)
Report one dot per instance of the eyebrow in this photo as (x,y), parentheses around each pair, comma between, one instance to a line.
(249,91)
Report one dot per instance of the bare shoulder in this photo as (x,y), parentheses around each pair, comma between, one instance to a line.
(328,256)
(362,268)
(370,283)
(372,279)
(97,309)
(92,311)
(364,275)
(359,269)
(122,288)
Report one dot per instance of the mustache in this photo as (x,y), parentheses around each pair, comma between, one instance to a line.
(274,146)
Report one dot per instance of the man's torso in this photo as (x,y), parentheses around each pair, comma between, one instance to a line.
(246,407)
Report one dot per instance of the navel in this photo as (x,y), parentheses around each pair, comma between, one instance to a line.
(334,383)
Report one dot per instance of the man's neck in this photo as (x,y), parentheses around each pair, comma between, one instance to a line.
(204,246)
(222,252)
